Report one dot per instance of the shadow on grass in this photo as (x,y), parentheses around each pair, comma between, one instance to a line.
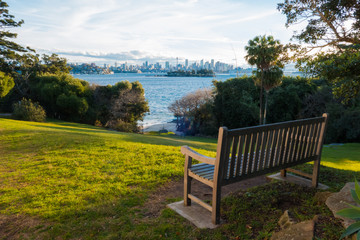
(168,140)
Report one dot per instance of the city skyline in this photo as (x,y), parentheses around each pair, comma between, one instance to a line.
(156,31)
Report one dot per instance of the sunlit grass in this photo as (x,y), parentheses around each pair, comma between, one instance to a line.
(345,157)
(89,182)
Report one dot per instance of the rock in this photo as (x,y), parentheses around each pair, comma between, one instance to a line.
(321,197)
(337,201)
(286,220)
(299,231)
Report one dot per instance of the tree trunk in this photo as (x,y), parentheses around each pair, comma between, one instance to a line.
(265,108)
(261,97)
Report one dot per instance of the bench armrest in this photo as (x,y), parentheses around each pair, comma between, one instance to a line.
(186,150)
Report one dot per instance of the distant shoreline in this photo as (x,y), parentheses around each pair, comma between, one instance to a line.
(170,127)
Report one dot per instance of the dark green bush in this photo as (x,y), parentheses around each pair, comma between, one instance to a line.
(236,102)
(122,126)
(287,101)
(71,99)
(29,111)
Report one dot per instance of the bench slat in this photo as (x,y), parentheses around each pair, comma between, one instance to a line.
(257,151)
(262,150)
(200,166)
(252,149)
(239,155)
(233,156)
(287,145)
(311,133)
(268,149)
(205,170)
(246,155)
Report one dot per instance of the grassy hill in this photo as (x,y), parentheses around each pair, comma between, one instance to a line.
(73,181)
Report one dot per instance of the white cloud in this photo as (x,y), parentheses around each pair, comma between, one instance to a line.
(193,29)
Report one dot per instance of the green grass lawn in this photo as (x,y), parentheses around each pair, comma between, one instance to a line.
(73,181)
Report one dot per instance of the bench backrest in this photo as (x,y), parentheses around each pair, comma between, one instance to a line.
(247,152)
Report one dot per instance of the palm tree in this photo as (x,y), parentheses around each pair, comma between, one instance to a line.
(266,53)
(272,79)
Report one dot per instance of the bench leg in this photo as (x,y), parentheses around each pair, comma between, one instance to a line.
(216,199)
(283,173)
(187,189)
(315,174)
(187,181)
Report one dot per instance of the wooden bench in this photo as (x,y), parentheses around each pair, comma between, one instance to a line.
(248,152)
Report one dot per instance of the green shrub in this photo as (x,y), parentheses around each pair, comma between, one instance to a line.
(122,126)
(6,84)
(236,102)
(29,111)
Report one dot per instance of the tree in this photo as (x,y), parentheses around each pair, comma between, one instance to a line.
(272,79)
(9,50)
(6,84)
(192,108)
(330,23)
(333,27)
(269,56)
(341,69)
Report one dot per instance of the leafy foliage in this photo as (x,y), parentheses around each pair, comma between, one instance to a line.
(353,213)
(341,69)
(29,111)
(287,101)
(193,111)
(334,27)
(62,95)
(6,84)
(235,102)
(9,50)
(114,106)
(329,22)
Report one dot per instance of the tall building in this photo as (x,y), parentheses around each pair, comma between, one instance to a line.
(212,64)
(186,63)
(202,64)
(167,65)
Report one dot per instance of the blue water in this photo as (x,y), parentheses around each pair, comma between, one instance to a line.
(160,91)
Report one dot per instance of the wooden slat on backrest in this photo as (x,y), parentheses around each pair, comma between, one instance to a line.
(251,152)
(233,157)
(309,141)
(257,152)
(288,145)
(246,154)
(263,150)
(258,149)
(239,155)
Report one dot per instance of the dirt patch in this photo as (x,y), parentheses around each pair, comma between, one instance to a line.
(175,190)
(19,226)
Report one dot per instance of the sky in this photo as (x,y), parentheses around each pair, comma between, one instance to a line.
(139,30)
